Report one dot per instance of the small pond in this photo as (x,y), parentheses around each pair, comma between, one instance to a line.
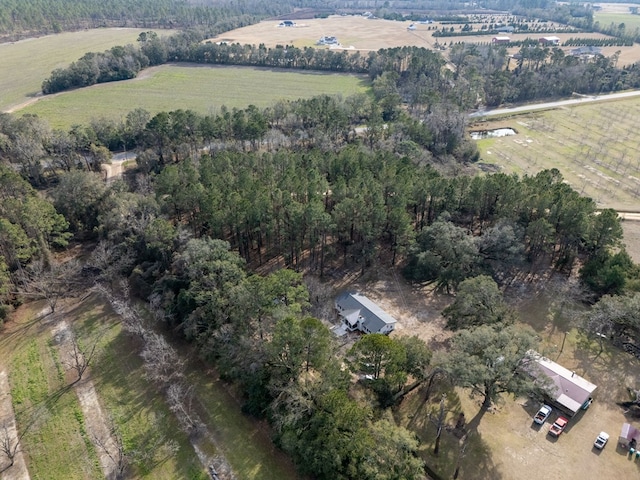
(498,132)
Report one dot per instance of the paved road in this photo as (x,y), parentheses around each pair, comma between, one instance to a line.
(560,103)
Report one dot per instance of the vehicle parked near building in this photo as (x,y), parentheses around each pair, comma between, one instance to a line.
(558,426)
(542,414)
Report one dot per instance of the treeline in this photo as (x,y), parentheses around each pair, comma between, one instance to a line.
(121,63)
(540,72)
(598,42)
(413,76)
(20,18)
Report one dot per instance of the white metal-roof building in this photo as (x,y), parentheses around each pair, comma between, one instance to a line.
(567,389)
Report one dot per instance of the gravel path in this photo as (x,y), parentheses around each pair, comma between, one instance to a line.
(95,420)
(19,469)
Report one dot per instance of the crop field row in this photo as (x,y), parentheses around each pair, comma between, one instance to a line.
(203,89)
(594,146)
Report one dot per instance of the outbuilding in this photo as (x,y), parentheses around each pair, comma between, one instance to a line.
(550,40)
(629,435)
(501,39)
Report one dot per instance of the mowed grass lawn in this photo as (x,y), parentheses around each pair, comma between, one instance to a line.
(201,88)
(24,65)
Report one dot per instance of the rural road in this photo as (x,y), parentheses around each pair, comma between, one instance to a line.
(560,103)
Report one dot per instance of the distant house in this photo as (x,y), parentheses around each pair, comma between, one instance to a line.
(567,390)
(586,51)
(505,29)
(500,40)
(550,40)
(357,312)
(287,23)
(327,41)
(628,435)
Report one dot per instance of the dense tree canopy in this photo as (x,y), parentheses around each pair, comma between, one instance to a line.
(492,360)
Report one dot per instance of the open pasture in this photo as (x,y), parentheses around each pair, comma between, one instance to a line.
(58,442)
(357,32)
(362,34)
(630,21)
(25,64)
(201,88)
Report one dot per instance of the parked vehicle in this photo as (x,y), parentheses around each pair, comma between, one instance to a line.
(542,415)
(558,426)
(601,440)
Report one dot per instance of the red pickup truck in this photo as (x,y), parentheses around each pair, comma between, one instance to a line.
(558,426)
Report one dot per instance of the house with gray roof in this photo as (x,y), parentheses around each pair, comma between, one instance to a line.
(357,312)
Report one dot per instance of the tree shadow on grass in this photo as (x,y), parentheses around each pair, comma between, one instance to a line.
(463,446)
(610,369)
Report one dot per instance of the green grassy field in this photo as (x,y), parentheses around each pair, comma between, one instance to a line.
(56,442)
(631,22)
(57,445)
(25,64)
(203,89)
(594,146)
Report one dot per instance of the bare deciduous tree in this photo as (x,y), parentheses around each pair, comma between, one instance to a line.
(49,283)
(115,452)
(9,446)
(161,362)
(81,358)
(180,400)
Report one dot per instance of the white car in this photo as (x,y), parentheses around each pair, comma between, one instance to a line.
(601,440)
(542,414)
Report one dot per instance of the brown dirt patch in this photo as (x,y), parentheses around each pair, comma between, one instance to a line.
(632,239)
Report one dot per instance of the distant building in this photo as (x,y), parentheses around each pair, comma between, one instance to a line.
(357,312)
(550,40)
(287,23)
(586,51)
(327,41)
(505,29)
(500,40)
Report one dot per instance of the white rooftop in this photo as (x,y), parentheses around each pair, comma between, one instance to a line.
(568,388)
